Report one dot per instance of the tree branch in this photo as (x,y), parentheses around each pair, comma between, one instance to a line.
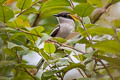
(28,8)
(64,45)
(81,21)
(36,20)
(106,7)
(106,69)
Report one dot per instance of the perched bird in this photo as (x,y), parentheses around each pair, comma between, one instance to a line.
(66,25)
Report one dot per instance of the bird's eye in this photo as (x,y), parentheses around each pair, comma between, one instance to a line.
(64,15)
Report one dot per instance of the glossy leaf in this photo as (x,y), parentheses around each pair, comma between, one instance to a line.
(58,39)
(37,30)
(83,9)
(97,3)
(5,14)
(99,31)
(49,73)
(116,22)
(23,4)
(44,55)
(72,66)
(80,1)
(108,46)
(53,3)
(49,47)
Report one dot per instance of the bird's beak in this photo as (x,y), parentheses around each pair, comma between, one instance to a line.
(74,17)
(56,15)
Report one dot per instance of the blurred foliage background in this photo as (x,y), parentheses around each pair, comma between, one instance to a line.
(28,53)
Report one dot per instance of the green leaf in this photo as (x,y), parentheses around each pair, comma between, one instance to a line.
(31,10)
(44,55)
(49,73)
(84,9)
(58,39)
(108,46)
(115,1)
(14,46)
(5,14)
(23,4)
(98,31)
(98,3)
(49,47)
(54,3)
(62,62)
(71,66)
(37,30)
(2,1)
(80,1)
(116,22)
(54,6)
(54,10)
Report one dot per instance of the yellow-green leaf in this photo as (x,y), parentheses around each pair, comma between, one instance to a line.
(49,47)
(108,46)
(84,9)
(23,4)
(5,14)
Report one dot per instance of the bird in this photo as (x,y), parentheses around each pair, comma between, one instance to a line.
(66,25)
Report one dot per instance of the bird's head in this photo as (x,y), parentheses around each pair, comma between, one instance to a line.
(64,16)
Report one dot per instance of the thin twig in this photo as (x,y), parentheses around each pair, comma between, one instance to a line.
(106,69)
(85,29)
(95,66)
(81,21)
(36,20)
(101,68)
(28,8)
(28,32)
(72,5)
(64,45)
(59,72)
(106,7)
(77,69)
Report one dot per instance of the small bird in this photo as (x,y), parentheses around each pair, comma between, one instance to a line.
(66,25)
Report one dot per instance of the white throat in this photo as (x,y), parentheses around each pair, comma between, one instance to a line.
(63,20)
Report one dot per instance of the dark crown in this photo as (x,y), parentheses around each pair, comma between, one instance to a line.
(64,14)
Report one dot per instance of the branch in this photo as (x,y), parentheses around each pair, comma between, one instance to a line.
(106,69)
(28,8)
(81,21)
(64,45)
(36,20)
(106,7)
(28,32)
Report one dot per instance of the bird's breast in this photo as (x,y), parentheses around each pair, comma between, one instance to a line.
(65,30)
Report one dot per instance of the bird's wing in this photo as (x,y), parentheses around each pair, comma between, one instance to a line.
(55,31)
